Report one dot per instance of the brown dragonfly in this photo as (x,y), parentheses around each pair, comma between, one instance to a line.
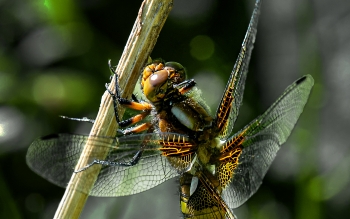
(175,135)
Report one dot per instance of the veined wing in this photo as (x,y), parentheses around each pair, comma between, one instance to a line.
(256,146)
(54,157)
(228,109)
(206,202)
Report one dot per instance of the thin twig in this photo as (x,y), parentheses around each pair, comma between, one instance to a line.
(147,27)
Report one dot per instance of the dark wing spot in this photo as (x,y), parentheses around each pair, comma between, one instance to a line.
(48,137)
(300,80)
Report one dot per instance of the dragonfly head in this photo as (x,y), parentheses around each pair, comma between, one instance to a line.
(158,78)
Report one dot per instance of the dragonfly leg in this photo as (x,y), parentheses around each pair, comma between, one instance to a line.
(134,98)
(132,104)
(146,107)
(111,68)
(137,129)
(133,120)
(135,159)
(115,100)
(89,165)
(185,85)
(84,119)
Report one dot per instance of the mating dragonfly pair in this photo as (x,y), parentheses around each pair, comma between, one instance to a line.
(218,171)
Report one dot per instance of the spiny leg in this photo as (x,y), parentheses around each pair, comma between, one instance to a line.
(115,99)
(135,159)
(111,68)
(146,107)
(84,119)
(136,105)
(134,98)
(132,104)
(185,86)
(133,120)
(136,129)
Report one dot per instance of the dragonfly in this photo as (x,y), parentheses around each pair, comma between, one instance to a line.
(175,135)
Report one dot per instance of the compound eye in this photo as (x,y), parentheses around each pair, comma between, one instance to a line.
(177,71)
(155,86)
(175,65)
(158,79)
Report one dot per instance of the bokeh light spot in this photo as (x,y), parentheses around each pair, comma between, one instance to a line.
(48,90)
(47,4)
(2,130)
(11,126)
(202,47)
(49,44)
(43,46)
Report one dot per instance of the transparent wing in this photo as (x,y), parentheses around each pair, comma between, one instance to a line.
(205,202)
(228,109)
(262,139)
(54,157)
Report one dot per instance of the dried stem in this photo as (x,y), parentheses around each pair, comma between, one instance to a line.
(149,22)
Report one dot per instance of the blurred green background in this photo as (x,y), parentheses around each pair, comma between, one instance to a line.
(53,61)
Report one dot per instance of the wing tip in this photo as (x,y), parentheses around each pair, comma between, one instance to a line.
(305,78)
(301,80)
